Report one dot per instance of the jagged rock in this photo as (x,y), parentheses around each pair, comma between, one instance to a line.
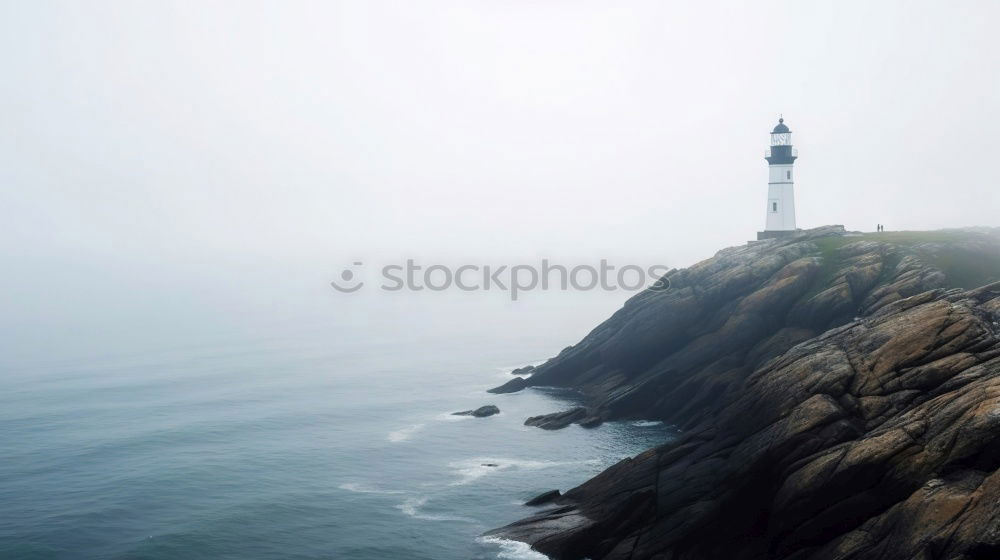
(512,386)
(543,498)
(878,439)
(481,412)
(526,370)
(676,355)
(557,420)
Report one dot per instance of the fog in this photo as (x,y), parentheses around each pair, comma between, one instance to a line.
(170,171)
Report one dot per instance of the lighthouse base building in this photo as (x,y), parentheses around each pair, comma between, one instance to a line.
(781,185)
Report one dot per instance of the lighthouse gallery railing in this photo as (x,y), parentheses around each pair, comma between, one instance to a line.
(795,152)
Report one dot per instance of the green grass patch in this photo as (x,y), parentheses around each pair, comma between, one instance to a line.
(965,269)
(832,261)
(968,259)
(915,237)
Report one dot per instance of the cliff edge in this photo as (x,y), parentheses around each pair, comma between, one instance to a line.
(840,399)
(673,355)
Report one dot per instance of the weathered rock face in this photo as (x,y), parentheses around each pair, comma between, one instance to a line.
(878,439)
(675,355)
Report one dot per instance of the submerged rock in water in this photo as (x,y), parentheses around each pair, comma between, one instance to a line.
(481,412)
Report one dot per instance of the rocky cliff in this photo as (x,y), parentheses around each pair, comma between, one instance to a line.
(674,355)
(838,394)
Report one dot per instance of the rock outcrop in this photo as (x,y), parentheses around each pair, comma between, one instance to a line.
(674,355)
(512,386)
(839,399)
(557,420)
(481,412)
(544,498)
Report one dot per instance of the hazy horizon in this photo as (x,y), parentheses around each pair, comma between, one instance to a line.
(224,161)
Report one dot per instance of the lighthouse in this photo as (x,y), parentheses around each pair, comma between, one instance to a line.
(780,185)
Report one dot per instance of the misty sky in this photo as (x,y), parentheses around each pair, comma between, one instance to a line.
(156,145)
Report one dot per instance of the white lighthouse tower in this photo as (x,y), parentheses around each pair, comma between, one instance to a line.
(781,184)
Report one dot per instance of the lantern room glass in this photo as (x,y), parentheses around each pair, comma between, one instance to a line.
(781,138)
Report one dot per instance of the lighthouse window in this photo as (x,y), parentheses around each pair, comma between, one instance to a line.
(774,207)
(789,174)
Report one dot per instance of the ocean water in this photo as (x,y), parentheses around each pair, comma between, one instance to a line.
(327,444)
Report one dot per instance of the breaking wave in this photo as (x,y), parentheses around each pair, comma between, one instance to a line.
(513,550)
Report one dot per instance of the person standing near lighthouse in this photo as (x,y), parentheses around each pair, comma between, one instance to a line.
(781,184)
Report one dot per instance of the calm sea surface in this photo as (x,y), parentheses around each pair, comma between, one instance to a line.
(329,444)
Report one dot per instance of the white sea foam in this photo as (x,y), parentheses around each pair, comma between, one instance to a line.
(450,417)
(646,423)
(508,370)
(411,507)
(404,433)
(470,470)
(365,489)
(513,550)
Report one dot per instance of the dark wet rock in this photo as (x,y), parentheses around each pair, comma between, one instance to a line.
(481,412)
(512,386)
(526,370)
(591,421)
(876,439)
(490,465)
(543,498)
(557,420)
